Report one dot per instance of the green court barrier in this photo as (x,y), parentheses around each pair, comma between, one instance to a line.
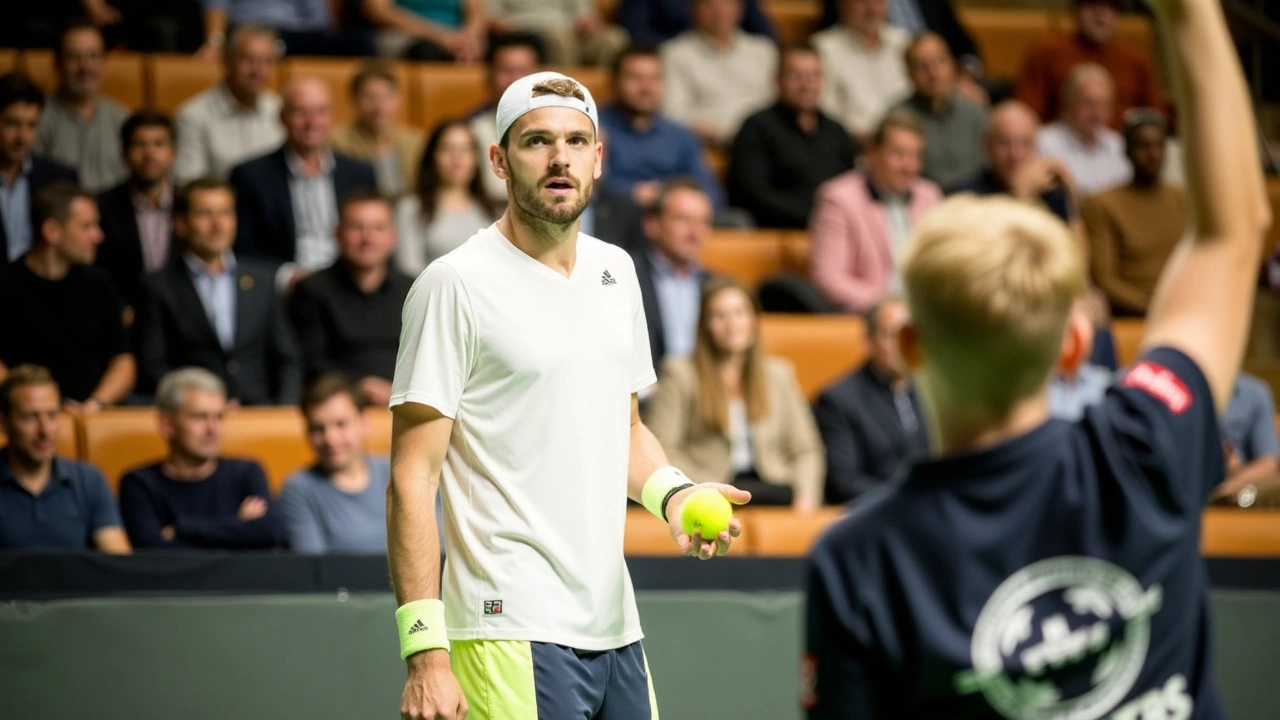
(714,656)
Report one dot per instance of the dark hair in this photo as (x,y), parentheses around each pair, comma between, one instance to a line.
(361,196)
(669,188)
(76,24)
(53,202)
(502,42)
(182,203)
(23,376)
(897,119)
(800,48)
(326,387)
(144,119)
(16,87)
(373,71)
(634,50)
(429,178)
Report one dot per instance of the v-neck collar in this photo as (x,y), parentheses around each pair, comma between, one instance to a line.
(546,271)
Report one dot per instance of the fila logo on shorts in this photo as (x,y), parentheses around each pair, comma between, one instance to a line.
(607,279)
(1160,383)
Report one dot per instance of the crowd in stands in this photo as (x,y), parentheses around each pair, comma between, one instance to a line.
(249,250)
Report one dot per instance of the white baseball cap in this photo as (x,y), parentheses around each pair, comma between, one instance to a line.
(519,99)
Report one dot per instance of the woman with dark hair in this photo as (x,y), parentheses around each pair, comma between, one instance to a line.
(731,414)
(450,205)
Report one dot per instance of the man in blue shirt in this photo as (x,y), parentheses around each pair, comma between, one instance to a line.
(1037,568)
(1250,442)
(47,501)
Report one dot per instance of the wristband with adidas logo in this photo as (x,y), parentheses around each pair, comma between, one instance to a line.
(421,625)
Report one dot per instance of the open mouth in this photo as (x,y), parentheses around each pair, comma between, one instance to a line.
(559,186)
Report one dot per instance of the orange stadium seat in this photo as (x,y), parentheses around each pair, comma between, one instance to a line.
(337,75)
(274,436)
(646,535)
(823,348)
(793,20)
(796,248)
(1231,532)
(175,79)
(8,59)
(447,91)
(1127,333)
(68,445)
(782,532)
(1004,35)
(120,439)
(748,256)
(124,80)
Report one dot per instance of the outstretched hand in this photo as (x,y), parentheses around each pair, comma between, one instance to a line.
(696,545)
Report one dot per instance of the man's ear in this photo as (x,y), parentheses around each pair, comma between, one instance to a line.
(1076,343)
(909,346)
(498,159)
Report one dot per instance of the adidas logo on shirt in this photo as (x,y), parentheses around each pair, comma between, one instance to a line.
(607,279)
(417,627)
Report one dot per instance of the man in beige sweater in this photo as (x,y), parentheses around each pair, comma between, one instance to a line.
(1132,229)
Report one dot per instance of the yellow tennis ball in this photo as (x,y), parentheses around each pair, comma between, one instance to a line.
(706,512)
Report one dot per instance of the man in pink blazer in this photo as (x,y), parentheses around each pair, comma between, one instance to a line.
(861,218)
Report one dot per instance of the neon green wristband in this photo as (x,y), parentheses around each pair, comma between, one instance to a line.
(659,487)
(421,624)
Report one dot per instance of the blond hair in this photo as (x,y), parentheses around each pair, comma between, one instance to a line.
(990,283)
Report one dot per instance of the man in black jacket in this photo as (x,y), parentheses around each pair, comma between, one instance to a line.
(21,173)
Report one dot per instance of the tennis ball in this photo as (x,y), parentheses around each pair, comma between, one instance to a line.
(706,512)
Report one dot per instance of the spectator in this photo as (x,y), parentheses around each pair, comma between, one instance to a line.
(510,59)
(871,422)
(783,153)
(237,119)
(194,498)
(170,26)
(137,214)
(861,219)
(863,58)
(80,127)
(376,135)
(731,414)
(1013,168)
(1077,382)
(306,27)
(430,30)
(1092,153)
(918,17)
(338,505)
(215,310)
(654,22)
(571,31)
(669,270)
(954,125)
(48,501)
(1249,438)
(450,205)
(288,199)
(645,148)
(1048,63)
(715,75)
(1133,229)
(347,316)
(59,312)
(22,174)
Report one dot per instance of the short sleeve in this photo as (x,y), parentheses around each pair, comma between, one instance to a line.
(1161,414)
(103,512)
(437,342)
(642,372)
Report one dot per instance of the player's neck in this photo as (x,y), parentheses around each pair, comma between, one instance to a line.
(963,431)
(550,244)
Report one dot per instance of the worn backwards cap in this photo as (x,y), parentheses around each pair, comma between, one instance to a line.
(519,99)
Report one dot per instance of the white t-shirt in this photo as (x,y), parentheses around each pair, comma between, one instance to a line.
(537,371)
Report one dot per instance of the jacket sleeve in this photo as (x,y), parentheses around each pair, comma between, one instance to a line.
(846,475)
(151,338)
(804,445)
(833,236)
(285,363)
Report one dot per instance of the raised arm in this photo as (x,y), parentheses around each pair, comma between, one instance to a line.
(1203,301)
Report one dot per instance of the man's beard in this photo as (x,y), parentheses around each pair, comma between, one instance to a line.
(530,206)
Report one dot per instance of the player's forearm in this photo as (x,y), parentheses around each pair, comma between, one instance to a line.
(413,542)
(647,456)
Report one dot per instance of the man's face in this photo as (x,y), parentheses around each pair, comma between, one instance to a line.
(553,161)
(800,81)
(251,65)
(18,124)
(78,238)
(337,431)
(885,354)
(683,227)
(896,163)
(639,84)
(32,424)
(932,69)
(716,17)
(150,154)
(366,235)
(209,225)
(1146,152)
(82,63)
(1010,143)
(307,116)
(377,104)
(1090,107)
(195,429)
(1096,20)
(510,63)
(865,17)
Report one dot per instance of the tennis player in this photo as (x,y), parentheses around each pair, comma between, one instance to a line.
(515,393)
(1036,569)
